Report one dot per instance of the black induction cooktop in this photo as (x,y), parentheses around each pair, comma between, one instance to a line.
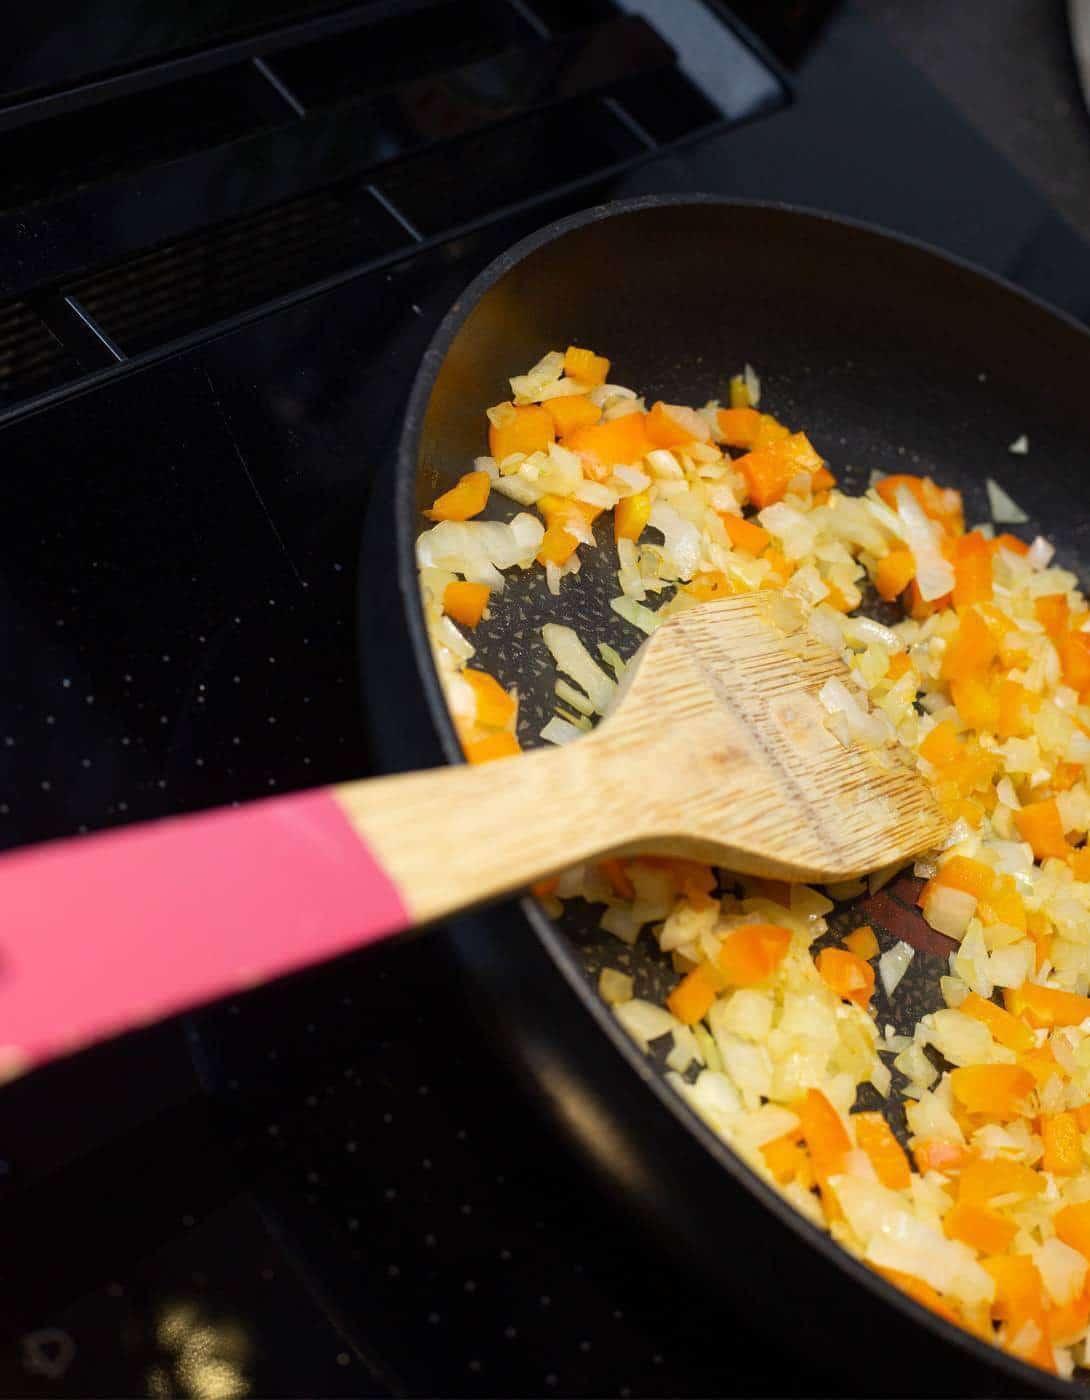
(226,236)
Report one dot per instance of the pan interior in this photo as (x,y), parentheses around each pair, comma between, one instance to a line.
(890,357)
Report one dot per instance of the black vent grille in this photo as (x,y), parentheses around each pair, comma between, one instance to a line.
(210,276)
(180,201)
(32,359)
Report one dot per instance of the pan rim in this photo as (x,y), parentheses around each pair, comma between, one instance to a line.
(548,934)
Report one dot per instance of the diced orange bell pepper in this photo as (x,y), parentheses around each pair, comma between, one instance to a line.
(530,430)
(1067,1323)
(983,1181)
(894,573)
(822,479)
(770,432)
(922,1293)
(1063,1144)
(782,568)
(571,411)
(800,451)
(1065,776)
(1039,823)
(495,707)
(1020,1300)
(499,745)
(739,426)
(862,942)
(463,501)
(916,607)
(1079,861)
(994,1091)
(1039,928)
(1075,660)
(618,879)
(1042,1064)
(1003,905)
(836,599)
(1002,627)
(899,663)
(559,544)
(1073,1226)
(768,475)
(849,976)
(977,703)
(691,999)
(941,745)
(1046,1006)
(1012,543)
(886,1154)
(979,1227)
(784,1157)
(1018,1285)
(664,428)
(752,953)
(706,587)
(1015,703)
(1006,1029)
(972,876)
(1052,613)
(940,1155)
(559,510)
(746,535)
(690,877)
(465,602)
(972,570)
(611,443)
(585,365)
(887,488)
(972,650)
(826,1138)
(630,516)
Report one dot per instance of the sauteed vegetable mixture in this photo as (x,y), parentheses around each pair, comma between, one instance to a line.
(979,1206)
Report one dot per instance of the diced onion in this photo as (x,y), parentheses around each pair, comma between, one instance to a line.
(682,543)
(893,964)
(572,657)
(1004,510)
(949,910)
(559,731)
(644,1021)
(1041,553)
(934,574)
(636,613)
(614,987)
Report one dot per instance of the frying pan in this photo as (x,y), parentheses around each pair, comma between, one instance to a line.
(892,357)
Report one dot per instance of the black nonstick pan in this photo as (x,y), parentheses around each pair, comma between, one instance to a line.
(892,357)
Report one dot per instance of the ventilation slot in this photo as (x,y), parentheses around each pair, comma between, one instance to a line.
(340,141)
(32,359)
(202,280)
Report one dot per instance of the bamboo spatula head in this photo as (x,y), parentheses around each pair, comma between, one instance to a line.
(720,711)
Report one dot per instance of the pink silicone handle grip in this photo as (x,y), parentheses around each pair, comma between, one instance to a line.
(104,933)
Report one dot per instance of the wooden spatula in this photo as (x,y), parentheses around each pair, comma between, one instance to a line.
(716,749)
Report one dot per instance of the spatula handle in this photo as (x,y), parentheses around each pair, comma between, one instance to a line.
(104,933)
